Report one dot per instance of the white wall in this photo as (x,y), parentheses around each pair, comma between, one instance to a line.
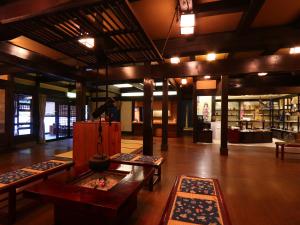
(126,116)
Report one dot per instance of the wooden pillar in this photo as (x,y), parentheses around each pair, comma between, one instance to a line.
(36,109)
(224,115)
(195,119)
(179,113)
(80,101)
(10,111)
(164,140)
(148,110)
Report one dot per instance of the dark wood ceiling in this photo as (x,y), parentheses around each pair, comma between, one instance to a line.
(119,38)
(239,28)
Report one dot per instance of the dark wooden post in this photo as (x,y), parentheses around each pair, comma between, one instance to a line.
(10,111)
(80,101)
(36,110)
(195,119)
(224,115)
(164,140)
(147,125)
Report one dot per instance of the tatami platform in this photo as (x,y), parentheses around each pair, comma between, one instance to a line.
(127,146)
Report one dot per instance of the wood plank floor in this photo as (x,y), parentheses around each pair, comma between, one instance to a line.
(258,188)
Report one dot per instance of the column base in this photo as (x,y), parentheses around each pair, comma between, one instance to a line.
(224,151)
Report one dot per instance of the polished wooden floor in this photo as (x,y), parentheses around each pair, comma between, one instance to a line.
(258,188)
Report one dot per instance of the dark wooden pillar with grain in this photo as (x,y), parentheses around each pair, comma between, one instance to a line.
(36,109)
(80,101)
(195,119)
(9,112)
(224,115)
(148,114)
(164,140)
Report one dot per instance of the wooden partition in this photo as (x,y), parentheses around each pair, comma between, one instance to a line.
(85,140)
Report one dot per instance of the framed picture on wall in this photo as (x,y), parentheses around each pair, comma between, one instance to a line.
(204,107)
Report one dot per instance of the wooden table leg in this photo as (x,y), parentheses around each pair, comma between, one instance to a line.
(159,174)
(12,206)
(150,183)
(277,150)
(282,152)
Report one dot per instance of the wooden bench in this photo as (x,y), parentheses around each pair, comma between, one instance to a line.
(281,146)
(195,200)
(140,160)
(11,181)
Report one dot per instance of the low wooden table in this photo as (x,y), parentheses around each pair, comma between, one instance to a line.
(77,203)
(195,200)
(11,181)
(281,146)
(140,160)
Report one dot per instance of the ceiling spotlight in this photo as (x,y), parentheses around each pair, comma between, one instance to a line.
(175,60)
(187,23)
(261,74)
(207,77)
(295,50)
(88,42)
(183,81)
(211,56)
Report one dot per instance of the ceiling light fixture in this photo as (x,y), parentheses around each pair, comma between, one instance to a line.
(207,77)
(295,50)
(187,23)
(88,42)
(175,60)
(132,94)
(261,74)
(140,94)
(183,81)
(71,94)
(123,85)
(211,56)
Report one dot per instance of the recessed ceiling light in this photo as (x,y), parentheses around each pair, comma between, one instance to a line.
(123,85)
(261,74)
(207,77)
(183,81)
(211,56)
(295,50)
(132,94)
(71,94)
(88,42)
(187,23)
(175,60)
(160,93)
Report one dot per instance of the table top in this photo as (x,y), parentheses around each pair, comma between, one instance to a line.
(28,174)
(70,193)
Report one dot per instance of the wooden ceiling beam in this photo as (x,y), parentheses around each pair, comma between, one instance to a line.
(255,39)
(220,7)
(271,64)
(249,15)
(34,62)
